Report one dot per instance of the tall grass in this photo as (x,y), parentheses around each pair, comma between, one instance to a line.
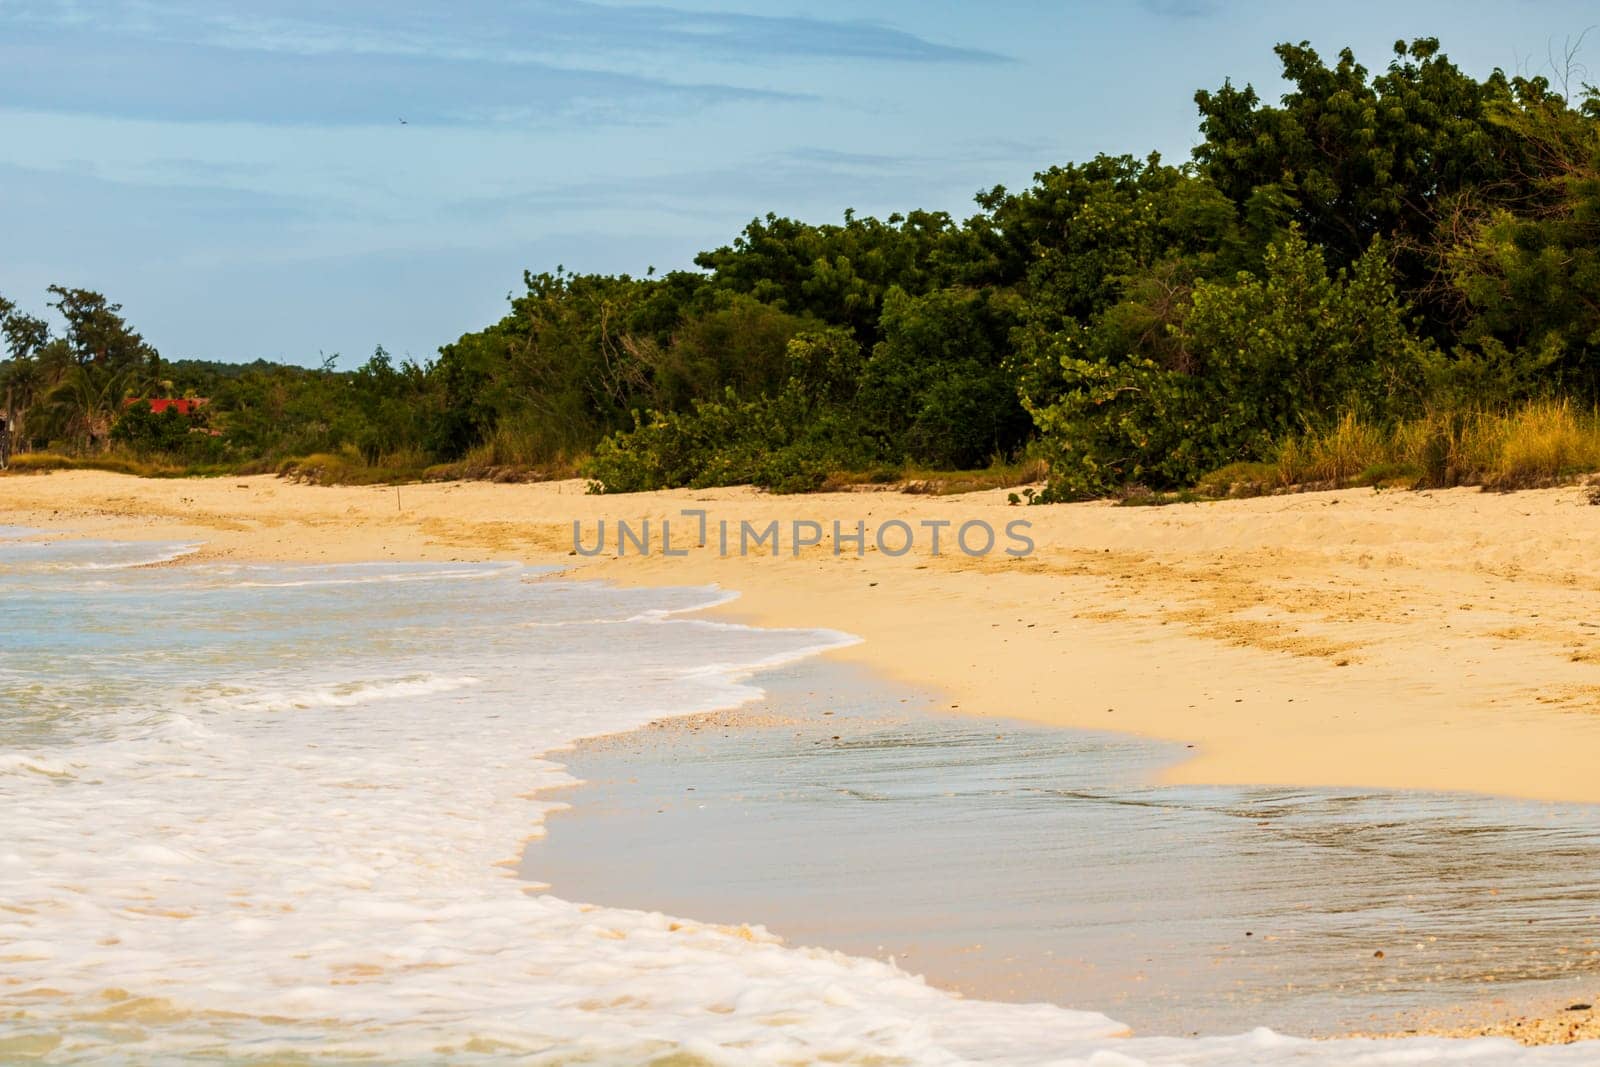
(1347,452)
(1544,442)
(348,466)
(520,450)
(116,463)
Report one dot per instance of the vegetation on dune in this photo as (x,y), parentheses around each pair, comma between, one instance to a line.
(1385,279)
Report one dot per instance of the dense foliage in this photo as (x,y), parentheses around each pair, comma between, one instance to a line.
(1373,247)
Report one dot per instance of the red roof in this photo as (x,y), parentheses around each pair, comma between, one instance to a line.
(184,406)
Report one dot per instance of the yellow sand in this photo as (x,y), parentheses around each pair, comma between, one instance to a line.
(1441,640)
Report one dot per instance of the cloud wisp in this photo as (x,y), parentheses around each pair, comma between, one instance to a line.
(102,75)
(361,62)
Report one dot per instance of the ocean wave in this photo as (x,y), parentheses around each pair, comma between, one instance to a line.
(715,599)
(343,694)
(30,763)
(382,573)
(49,556)
(168,554)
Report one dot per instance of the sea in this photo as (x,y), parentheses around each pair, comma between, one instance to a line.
(256,814)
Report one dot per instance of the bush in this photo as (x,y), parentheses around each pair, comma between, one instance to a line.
(935,389)
(773,442)
(169,436)
(1254,361)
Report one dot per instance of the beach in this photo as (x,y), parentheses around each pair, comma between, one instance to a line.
(1442,640)
(1248,689)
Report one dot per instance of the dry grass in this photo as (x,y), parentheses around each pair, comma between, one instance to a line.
(1239,480)
(349,467)
(1544,442)
(45,462)
(926,481)
(1337,457)
(346,467)
(513,454)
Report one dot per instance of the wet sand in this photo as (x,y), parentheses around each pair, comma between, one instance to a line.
(1008,861)
(1543,1024)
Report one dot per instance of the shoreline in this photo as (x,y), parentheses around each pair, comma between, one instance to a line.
(1435,640)
(281,522)
(1557,1023)
(672,801)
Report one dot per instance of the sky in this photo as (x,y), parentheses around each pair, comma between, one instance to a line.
(288,180)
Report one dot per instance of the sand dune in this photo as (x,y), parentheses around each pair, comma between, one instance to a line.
(1442,640)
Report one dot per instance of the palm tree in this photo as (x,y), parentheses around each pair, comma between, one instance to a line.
(20,384)
(84,403)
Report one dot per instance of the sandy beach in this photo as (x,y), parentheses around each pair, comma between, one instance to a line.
(1433,640)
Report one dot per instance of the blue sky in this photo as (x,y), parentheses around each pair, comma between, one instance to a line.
(239,177)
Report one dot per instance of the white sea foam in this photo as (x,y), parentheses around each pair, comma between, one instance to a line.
(18,763)
(364,573)
(336,694)
(290,839)
(168,555)
(23,550)
(718,598)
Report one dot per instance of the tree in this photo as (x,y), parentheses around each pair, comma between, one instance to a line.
(837,273)
(1263,356)
(82,406)
(1350,158)
(935,388)
(97,332)
(1073,239)
(140,429)
(1528,278)
(22,378)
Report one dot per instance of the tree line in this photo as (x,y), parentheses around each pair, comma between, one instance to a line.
(1370,246)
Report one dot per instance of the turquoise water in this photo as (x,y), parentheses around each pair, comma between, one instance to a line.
(263,814)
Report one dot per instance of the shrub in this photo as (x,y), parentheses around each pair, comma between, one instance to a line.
(1255,359)
(776,443)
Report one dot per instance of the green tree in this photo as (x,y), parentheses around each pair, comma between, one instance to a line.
(935,389)
(97,332)
(836,273)
(1071,241)
(1356,157)
(1528,277)
(1258,358)
(81,407)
